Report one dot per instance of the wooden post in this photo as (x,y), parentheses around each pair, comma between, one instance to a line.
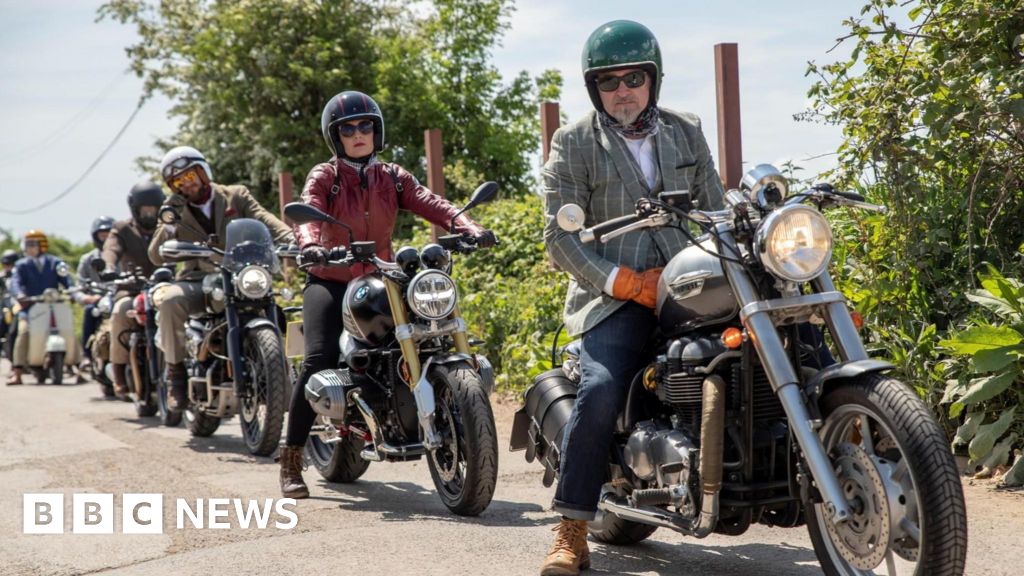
(285,188)
(730,146)
(435,169)
(549,122)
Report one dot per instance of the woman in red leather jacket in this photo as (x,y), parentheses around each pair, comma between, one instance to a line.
(366,194)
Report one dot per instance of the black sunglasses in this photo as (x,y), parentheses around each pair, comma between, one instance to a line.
(349,130)
(634,79)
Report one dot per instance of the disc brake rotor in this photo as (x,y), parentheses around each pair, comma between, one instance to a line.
(901,503)
(446,458)
(863,540)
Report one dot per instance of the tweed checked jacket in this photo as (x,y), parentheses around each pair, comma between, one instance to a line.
(229,203)
(592,167)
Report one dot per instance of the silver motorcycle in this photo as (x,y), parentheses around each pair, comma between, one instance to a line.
(733,420)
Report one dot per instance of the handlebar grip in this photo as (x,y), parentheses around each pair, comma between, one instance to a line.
(595,233)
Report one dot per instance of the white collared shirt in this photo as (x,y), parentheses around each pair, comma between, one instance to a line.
(642,150)
(206,208)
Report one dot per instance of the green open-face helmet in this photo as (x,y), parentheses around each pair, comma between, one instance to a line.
(621,44)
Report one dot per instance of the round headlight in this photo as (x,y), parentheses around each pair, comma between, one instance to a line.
(795,243)
(253,282)
(432,294)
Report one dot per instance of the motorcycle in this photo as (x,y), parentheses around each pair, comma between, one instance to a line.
(52,344)
(726,425)
(407,383)
(235,358)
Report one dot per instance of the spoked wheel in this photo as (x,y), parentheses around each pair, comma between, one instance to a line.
(262,413)
(465,467)
(900,480)
(337,461)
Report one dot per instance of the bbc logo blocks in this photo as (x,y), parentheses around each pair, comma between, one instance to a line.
(93,514)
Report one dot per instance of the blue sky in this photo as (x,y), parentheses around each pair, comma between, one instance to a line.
(64,92)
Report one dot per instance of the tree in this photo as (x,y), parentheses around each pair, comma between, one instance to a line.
(249,79)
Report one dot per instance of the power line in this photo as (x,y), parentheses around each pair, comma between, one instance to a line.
(65,127)
(88,170)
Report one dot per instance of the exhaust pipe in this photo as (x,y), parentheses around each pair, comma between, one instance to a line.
(712,432)
(381,449)
(712,438)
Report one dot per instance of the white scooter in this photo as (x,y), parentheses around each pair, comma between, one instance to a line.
(51,331)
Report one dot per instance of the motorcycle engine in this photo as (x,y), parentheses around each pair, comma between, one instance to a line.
(660,455)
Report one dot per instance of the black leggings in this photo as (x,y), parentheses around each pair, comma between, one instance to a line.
(321,329)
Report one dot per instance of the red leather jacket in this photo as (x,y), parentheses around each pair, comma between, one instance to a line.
(368,201)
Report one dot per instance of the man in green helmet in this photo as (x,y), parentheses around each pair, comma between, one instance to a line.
(626,149)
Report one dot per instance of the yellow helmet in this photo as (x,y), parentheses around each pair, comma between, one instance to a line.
(39,237)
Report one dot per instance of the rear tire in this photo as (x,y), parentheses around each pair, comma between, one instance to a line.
(200,424)
(610,529)
(339,462)
(464,477)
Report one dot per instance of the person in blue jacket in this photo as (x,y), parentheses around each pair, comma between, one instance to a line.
(33,274)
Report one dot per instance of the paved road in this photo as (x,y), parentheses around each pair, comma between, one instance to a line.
(68,440)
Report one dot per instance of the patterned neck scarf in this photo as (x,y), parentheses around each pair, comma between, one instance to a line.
(644,125)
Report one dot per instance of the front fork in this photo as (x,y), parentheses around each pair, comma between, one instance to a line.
(783,378)
(421,389)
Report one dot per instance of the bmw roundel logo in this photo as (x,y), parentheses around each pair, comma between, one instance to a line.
(362,292)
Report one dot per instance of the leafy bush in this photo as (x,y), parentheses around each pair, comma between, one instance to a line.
(991,385)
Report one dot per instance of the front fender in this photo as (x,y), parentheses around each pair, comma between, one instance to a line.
(816,387)
(484,367)
(259,322)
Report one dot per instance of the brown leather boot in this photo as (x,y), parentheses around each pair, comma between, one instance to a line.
(292,485)
(120,382)
(14,378)
(177,391)
(570,553)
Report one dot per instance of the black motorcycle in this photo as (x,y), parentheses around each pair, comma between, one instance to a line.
(728,425)
(407,382)
(235,358)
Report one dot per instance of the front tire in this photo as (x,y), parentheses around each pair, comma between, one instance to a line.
(145,405)
(897,471)
(56,368)
(262,414)
(465,467)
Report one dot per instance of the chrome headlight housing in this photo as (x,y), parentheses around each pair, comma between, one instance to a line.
(795,243)
(432,295)
(254,282)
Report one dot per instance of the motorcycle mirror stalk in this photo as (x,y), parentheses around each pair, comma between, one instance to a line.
(301,213)
(482,195)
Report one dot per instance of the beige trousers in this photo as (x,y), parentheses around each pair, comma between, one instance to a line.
(174,303)
(120,322)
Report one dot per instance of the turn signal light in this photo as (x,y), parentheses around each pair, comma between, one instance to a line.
(732,338)
(858,320)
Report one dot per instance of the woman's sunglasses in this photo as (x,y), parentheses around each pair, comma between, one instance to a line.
(349,130)
(634,79)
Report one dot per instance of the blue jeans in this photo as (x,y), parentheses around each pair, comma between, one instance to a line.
(611,354)
(89,325)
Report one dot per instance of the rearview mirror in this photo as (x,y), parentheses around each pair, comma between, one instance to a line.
(169,215)
(301,213)
(483,194)
(570,218)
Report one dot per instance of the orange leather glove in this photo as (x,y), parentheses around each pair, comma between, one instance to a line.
(641,288)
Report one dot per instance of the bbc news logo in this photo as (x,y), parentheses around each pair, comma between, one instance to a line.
(144,513)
